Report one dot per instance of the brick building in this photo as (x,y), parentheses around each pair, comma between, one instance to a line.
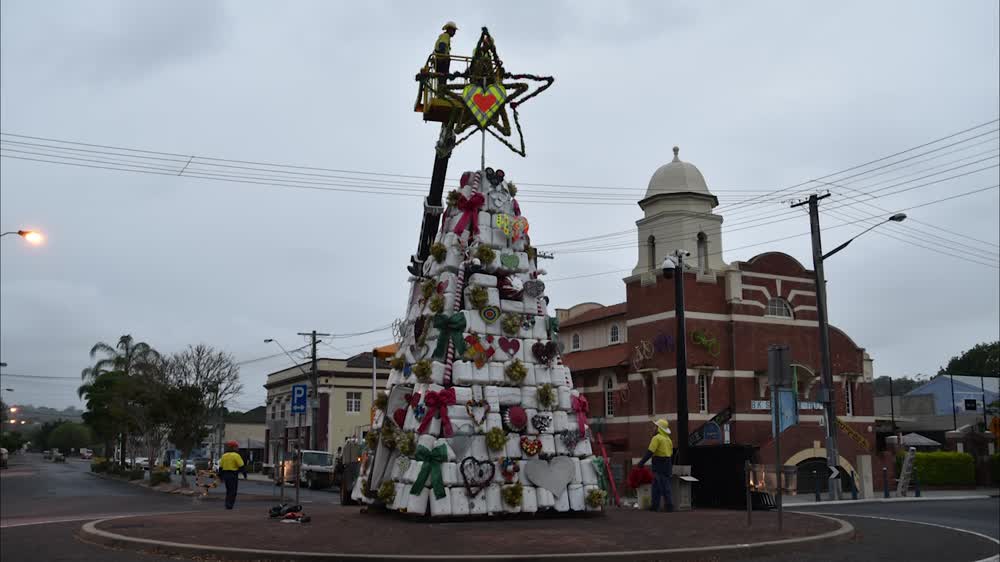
(624,356)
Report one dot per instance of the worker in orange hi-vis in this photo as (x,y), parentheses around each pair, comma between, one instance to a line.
(230,466)
(442,50)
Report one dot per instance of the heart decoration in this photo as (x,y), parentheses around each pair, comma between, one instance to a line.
(511,287)
(553,475)
(491,175)
(477,352)
(519,228)
(541,422)
(544,351)
(529,446)
(476,474)
(470,409)
(509,468)
(571,439)
(399,416)
(534,288)
(510,261)
(515,418)
(490,314)
(461,440)
(510,346)
(484,103)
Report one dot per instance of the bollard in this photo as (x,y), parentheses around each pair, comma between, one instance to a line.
(854,487)
(916,482)
(885,482)
(816,483)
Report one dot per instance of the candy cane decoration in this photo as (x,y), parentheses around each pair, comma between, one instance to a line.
(449,358)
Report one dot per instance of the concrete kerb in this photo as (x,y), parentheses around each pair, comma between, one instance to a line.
(91,533)
(803,505)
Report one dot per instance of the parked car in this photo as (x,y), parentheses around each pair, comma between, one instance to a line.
(47,454)
(86,454)
(58,457)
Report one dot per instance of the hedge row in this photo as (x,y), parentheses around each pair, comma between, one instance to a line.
(942,468)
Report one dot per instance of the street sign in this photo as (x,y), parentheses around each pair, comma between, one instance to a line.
(970,404)
(300,395)
(712,432)
(779,369)
(834,472)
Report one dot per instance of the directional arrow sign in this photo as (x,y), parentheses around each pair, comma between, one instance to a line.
(834,472)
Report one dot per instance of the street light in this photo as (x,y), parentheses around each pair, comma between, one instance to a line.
(670,263)
(898,217)
(32,236)
(312,429)
(826,368)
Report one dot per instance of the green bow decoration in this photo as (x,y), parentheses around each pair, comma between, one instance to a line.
(553,326)
(452,328)
(602,474)
(431,469)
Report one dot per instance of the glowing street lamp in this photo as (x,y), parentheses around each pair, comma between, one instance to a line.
(33,237)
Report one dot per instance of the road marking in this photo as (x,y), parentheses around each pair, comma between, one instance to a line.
(993,558)
(28,521)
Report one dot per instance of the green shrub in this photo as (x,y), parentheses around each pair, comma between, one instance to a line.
(135,474)
(942,468)
(100,464)
(995,468)
(159,477)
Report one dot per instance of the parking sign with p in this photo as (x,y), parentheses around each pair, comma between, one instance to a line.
(300,394)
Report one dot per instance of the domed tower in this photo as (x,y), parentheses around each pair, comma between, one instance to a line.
(678,214)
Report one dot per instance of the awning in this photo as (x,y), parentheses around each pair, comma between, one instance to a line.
(917,440)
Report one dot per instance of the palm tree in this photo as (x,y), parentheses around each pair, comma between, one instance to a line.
(127,357)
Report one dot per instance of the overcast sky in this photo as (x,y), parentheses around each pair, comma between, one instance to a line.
(760,96)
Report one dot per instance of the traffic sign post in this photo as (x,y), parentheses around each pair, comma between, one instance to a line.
(300,398)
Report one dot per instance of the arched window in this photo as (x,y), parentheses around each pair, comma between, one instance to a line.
(703,252)
(615,336)
(575,342)
(651,244)
(777,306)
(609,397)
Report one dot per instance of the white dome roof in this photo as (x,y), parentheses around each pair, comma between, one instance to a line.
(677,177)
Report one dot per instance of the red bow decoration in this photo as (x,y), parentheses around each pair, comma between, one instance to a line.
(582,409)
(437,404)
(470,212)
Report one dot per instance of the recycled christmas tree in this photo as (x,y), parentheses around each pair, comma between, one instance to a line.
(480,415)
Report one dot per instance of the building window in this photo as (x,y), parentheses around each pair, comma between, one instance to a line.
(575,342)
(274,411)
(778,306)
(609,397)
(353,402)
(651,242)
(703,393)
(703,252)
(850,398)
(615,334)
(282,411)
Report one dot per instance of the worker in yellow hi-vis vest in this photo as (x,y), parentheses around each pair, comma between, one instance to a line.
(442,51)
(661,450)
(230,466)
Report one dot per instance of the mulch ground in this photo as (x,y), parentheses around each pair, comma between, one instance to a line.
(347,530)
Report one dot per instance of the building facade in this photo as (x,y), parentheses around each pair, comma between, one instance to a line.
(345,399)
(624,356)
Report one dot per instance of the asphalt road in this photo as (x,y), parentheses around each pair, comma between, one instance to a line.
(43,505)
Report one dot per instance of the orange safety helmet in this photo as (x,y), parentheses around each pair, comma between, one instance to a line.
(232,445)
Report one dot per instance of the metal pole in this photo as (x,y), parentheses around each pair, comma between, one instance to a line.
(892,407)
(746,482)
(482,153)
(885,482)
(826,368)
(954,410)
(682,398)
(298,473)
(374,370)
(816,485)
(281,478)
(982,387)
(777,451)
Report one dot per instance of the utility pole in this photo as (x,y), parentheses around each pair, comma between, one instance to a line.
(826,369)
(314,383)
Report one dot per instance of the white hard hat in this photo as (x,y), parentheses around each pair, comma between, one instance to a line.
(451,25)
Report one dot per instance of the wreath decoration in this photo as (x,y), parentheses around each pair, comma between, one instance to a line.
(516,371)
(509,468)
(437,304)
(512,189)
(478,297)
(371,440)
(596,498)
(398,363)
(484,254)
(547,396)
(427,288)
(406,442)
(389,434)
(453,196)
(439,251)
(515,419)
(496,439)
(470,404)
(422,370)
(511,323)
(381,400)
(387,492)
(513,494)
